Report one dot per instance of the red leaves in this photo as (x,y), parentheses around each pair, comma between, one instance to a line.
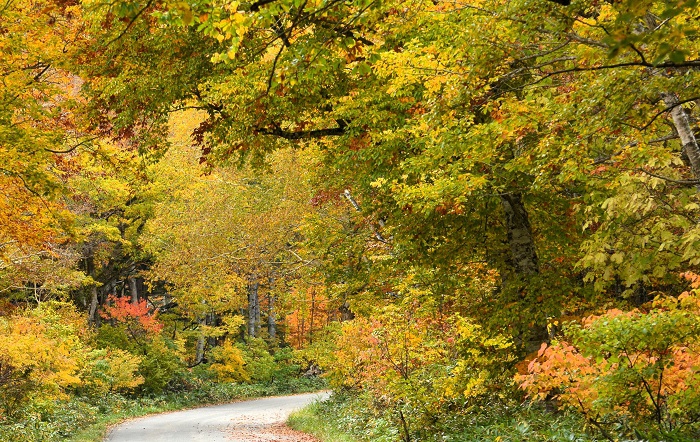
(124,311)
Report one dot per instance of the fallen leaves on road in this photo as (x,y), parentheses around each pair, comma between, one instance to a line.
(252,432)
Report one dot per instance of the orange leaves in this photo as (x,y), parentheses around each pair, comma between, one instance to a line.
(631,367)
(125,311)
(693,278)
(561,367)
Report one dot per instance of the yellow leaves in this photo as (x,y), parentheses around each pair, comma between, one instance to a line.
(43,351)
(111,370)
(229,364)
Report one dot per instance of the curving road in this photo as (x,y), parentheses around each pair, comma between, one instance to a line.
(256,420)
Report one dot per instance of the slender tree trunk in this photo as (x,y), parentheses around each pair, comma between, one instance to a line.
(253,307)
(520,239)
(271,317)
(257,312)
(685,133)
(311,318)
(92,311)
(94,300)
(199,353)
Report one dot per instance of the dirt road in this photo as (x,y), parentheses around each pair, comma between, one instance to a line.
(259,420)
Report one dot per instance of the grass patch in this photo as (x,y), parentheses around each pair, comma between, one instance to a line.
(312,420)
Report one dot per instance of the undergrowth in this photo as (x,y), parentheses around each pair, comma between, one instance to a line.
(349,418)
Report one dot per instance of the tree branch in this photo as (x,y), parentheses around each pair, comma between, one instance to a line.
(131,22)
(304,134)
(258,4)
(72,148)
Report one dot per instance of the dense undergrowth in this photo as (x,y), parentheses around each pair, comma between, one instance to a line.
(348,417)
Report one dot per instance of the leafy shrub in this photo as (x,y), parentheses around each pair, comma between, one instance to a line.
(632,372)
(259,363)
(346,416)
(48,420)
(138,332)
(420,368)
(229,364)
(110,370)
(160,365)
(40,355)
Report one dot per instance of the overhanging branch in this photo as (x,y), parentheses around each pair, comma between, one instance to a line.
(277,131)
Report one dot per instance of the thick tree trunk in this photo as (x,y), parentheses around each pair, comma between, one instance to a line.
(134,291)
(253,307)
(685,133)
(345,313)
(522,244)
(92,312)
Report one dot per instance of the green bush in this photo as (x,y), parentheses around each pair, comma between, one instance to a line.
(160,366)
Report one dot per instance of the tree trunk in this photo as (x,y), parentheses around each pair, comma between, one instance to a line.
(92,312)
(253,307)
(311,319)
(199,353)
(522,244)
(94,300)
(271,317)
(133,289)
(685,133)
(345,313)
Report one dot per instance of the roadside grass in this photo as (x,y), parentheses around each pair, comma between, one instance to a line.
(312,420)
(349,418)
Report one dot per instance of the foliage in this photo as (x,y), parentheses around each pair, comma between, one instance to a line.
(138,333)
(110,370)
(629,371)
(160,365)
(259,363)
(137,317)
(41,355)
(454,176)
(420,367)
(229,363)
(346,417)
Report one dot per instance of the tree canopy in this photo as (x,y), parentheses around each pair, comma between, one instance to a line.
(417,195)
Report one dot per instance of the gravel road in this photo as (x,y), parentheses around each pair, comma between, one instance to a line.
(259,420)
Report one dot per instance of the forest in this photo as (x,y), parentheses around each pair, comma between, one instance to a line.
(473,220)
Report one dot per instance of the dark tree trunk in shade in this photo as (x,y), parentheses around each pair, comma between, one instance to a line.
(520,239)
(253,307)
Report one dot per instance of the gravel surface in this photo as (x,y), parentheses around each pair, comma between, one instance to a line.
(260,420)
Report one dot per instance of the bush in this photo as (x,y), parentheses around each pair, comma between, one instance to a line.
(229,364)
(41,351)
(417,370)
(259,363)
(160,366)
(110,370)
(631,373)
